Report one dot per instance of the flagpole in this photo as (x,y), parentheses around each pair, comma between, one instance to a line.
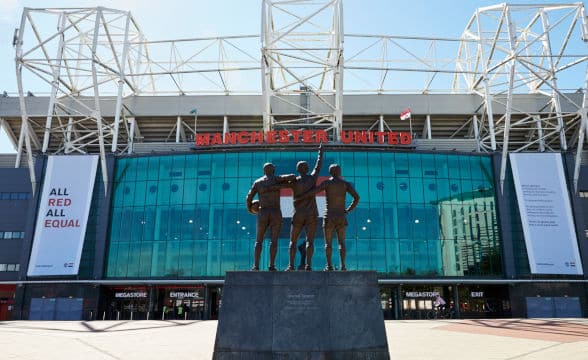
(408,113)
(410,124)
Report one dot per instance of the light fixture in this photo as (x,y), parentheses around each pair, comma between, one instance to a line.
(416,221)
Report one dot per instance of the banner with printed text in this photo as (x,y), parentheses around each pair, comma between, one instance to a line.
(63,215)
(546,214)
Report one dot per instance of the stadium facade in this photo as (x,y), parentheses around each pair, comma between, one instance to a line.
(126,198)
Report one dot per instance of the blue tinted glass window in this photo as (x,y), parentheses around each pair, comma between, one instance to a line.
(388,165)
(419,215)
(153,173)
(165,167)
(453,167)
(142,169)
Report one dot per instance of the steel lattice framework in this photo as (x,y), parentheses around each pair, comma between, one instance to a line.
(100,54)
(302,52)
(524,49)
(92,51)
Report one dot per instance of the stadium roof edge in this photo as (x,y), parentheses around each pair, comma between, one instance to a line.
(251,105)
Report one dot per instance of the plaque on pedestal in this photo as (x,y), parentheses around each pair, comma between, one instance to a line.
(301,315)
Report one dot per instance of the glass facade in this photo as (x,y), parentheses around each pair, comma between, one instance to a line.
(184,216)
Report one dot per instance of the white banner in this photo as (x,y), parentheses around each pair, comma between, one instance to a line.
(63,215)
(546,214)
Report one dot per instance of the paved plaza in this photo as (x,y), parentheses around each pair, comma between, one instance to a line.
(419,339)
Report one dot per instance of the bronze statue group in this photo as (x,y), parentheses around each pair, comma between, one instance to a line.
(269,214)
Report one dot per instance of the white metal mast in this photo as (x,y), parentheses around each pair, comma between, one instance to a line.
(88,55)
(516,49)
(302,56)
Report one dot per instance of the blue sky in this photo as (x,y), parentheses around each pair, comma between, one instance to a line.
(199,18)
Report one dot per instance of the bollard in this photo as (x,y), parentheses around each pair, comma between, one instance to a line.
(162,315)
(104,316)
(117,315)
(147,315)
(131,316)
(185,316)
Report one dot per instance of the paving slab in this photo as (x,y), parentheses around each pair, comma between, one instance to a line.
(524,339)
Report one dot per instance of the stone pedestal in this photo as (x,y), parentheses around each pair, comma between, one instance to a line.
(301,315)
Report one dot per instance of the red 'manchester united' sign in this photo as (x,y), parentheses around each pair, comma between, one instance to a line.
(302,136)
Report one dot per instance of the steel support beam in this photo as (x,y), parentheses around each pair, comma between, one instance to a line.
(427,129)
(552,74)
(178,128)
(507,115)
(121,82)
(96,113)
(225,125)
(476,132)
(133,125)
(56,67)
(68,132)
(485,79)
(540,133)
(24,130)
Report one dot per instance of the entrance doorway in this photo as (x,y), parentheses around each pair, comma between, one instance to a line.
(181,303)
(484,301)
(427,302)
(125,303)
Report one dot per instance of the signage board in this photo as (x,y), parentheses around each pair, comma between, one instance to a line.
(421,294)
(185,295)
(302,137)
(63,214)
(130,295)
(546,214)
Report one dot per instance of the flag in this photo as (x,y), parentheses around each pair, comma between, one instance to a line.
(405,114)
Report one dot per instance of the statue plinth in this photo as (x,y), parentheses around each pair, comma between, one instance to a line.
(301,315)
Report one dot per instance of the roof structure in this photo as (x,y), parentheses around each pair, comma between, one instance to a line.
(109,87)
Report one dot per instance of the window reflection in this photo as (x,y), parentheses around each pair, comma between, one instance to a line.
(420,214)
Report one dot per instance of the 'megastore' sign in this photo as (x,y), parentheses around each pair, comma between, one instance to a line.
(302,136)
(130,294)
(421,294)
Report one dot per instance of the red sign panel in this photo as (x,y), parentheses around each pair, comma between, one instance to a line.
(302,136)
